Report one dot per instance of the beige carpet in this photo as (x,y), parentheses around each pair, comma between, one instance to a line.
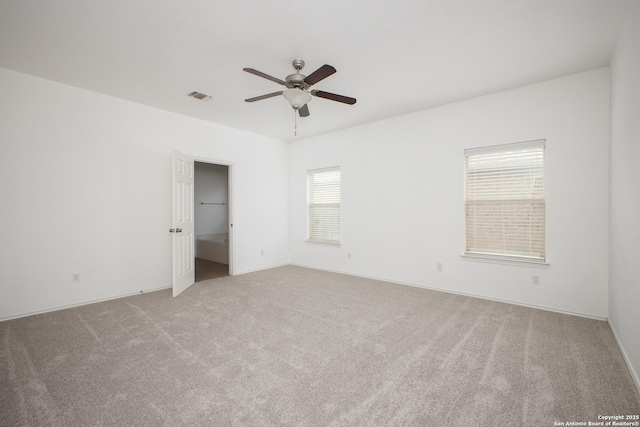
(298,347)
(207,270)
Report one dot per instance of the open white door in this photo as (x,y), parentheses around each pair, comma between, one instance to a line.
(184,273)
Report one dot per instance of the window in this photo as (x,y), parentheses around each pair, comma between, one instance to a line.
(505,201)
(323,199)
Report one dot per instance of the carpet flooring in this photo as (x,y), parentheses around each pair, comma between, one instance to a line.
(207,270)
(298,347)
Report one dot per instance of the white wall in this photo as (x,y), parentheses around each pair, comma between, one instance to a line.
(624,292)
(402,197)
(86,187)
(211,186)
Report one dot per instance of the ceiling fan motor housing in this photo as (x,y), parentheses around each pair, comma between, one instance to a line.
(296,81)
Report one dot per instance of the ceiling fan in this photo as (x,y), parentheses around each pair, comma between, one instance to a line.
(297,85)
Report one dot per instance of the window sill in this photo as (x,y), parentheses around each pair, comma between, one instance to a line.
(323,242)
(494,259)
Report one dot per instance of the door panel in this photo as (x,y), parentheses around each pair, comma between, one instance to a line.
(183,223)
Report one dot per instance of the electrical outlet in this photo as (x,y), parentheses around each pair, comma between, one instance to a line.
(75,277)
(349,255)
(439,267)
(535,280)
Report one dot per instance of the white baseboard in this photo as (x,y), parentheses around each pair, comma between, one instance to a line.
(78,304)
(417,285)
(237,273)
(466,294)
(633,372)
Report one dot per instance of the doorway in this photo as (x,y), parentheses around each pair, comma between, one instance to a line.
(211,220)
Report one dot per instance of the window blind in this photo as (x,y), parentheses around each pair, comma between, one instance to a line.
(324,205)
(505,201)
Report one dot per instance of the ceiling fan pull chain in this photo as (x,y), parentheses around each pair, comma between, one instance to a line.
(295,122)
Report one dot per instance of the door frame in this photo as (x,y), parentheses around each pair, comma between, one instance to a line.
(230,205)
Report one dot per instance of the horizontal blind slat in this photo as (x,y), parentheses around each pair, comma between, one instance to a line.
(504,201)
(323,194)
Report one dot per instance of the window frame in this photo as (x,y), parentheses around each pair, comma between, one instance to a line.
(507,258)
(310,233)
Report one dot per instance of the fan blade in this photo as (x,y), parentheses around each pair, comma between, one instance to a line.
(258,98)
(333,97)
(304,111)
(319,74)
(265,76)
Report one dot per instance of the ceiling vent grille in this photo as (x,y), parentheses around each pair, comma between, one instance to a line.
(201,96)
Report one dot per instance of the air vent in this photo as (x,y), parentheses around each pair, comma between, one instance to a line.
(201,96)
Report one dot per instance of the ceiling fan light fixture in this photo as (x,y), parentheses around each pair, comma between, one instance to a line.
(297,98)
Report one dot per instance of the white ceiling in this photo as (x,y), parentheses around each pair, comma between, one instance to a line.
(395,57)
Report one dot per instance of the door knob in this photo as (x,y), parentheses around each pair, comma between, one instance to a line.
(172,230)
(178,230)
